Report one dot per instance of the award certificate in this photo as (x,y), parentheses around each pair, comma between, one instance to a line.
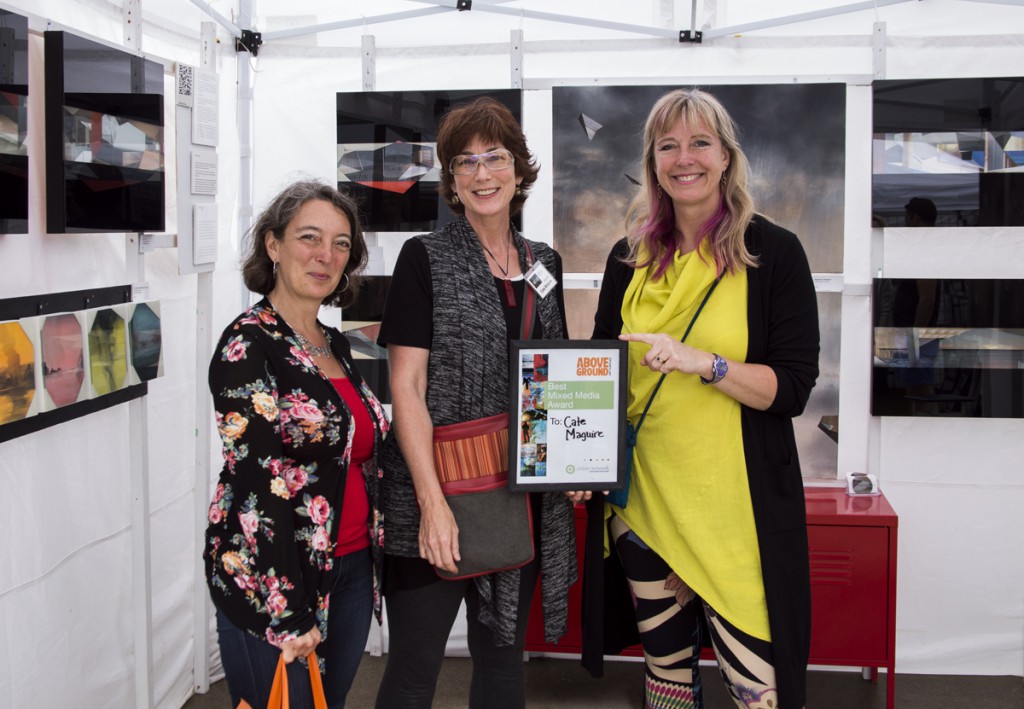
(568,417)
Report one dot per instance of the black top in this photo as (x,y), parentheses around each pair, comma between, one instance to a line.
(408,309)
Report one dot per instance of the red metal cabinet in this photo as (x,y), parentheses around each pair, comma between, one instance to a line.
(852,545)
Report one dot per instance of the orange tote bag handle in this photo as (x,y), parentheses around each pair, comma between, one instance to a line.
(279,690)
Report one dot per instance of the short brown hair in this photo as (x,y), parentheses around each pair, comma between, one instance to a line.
(492,122)
(258,267)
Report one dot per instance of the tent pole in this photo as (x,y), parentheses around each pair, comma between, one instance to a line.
(204,326)
(516,51)
(801,17)
(581,21)
(244,106)
(369,63)
(219,18)
(346,24)
(138,451)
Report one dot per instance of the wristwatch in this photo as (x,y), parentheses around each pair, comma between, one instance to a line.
(719,368)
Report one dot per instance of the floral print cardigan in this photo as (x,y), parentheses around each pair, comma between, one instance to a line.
(287,440)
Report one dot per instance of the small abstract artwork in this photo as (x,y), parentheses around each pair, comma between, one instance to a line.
(361,324)
(17,373)
(108,353)
(144,337)
(63,349)
(387,153)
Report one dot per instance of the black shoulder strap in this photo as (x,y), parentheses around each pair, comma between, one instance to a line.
(685,334)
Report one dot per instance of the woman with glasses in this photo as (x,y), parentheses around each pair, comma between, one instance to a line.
(292,552)
(456,299)
(712,535)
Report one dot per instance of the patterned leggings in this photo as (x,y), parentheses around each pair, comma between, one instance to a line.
(670,631)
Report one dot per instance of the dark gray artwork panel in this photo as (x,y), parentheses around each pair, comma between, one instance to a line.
(794,136)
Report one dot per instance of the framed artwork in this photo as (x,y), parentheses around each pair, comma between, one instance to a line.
(948,347)
(948,152)
(46,366)
(13,123)
(568,423)
(18,394)
(794,136)
(145,343)
(104,138)
(108,349)
(62,346)
(387,153)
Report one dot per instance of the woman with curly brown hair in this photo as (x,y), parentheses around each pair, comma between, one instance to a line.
(293,545)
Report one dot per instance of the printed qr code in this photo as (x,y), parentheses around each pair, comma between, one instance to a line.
(184,80)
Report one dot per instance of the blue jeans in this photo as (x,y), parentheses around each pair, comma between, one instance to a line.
(249,663)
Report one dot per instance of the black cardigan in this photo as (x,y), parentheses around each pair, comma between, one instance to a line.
(782,323)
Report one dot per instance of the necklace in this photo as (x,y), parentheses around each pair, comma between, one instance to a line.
(312,349)
(510,296)
(304,342)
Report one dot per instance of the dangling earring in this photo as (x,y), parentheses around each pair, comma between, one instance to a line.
(455,199)
(275,270)
(725,180)
(519,190)
(660,191)
(345,287)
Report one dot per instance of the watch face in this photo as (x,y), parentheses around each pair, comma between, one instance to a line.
(720,367)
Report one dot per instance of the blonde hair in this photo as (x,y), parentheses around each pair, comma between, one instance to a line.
(650,221)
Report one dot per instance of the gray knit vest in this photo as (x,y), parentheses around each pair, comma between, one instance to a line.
(468,378)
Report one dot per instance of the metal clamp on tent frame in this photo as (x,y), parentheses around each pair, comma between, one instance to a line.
(694,37)
(249,42)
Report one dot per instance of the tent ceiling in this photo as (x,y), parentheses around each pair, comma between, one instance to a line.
(439,22)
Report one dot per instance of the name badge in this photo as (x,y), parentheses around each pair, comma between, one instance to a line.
(540,279)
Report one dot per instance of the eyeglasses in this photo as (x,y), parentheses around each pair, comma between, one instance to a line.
(494,161)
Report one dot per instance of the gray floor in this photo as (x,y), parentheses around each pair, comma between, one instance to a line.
(563,683)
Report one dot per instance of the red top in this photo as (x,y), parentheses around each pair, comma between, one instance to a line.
(355,510)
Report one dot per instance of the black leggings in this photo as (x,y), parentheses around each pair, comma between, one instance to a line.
(421,608)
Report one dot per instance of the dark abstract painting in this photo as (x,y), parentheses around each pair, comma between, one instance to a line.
(387,155)
(794,136)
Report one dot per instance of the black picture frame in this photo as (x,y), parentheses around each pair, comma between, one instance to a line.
(14,126)
(948,347)
(948,152)
(583,447)
(387,157)
(107,185)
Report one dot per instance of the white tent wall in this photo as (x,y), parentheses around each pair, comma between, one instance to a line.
(66,573)
(68,582)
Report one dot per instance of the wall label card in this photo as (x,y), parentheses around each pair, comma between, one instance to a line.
(568,418)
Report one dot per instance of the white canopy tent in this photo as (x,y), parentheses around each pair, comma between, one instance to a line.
(89,502)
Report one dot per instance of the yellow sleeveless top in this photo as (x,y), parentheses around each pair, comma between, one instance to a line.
(689,498)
